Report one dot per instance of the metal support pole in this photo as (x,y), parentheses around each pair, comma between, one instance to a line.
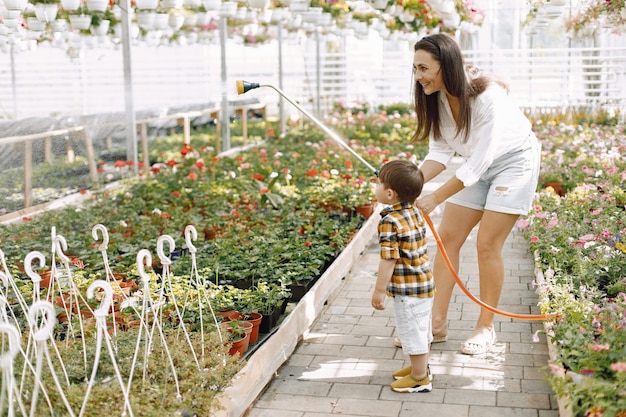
(281,103)
(13,81)
(131,123)
(224,114)
(318,103)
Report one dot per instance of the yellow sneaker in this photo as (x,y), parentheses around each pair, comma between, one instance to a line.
(401,373)
(408,384)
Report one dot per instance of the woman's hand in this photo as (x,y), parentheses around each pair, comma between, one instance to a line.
(427,203)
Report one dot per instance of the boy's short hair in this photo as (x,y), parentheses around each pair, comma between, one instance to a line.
(404,177)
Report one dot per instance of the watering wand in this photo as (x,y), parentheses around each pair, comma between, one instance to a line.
(245,86)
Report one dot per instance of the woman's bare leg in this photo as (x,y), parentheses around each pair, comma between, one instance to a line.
(456,224)
(492,233)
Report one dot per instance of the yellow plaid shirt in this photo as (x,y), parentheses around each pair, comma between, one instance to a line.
(402,236)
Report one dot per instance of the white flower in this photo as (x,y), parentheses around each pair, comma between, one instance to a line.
(334,171)
(274,174)
(123,223)
(157,211)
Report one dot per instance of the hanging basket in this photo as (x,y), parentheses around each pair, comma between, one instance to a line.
(146,4)
(70,5)
(258,4)
(97,5)
(80,21)
(46,12)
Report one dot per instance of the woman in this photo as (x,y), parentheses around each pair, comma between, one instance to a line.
(462,111)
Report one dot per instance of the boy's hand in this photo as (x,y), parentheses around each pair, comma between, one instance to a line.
(378,300)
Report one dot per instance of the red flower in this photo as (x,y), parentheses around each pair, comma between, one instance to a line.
(308,244)
(192,176)
(349,164)
(175,194)
(200,164)
(172,163)
(185,149)
(155,170)
(83,191)
(264,190)
(120,164)
(215,159)
(258,177)
(311,172)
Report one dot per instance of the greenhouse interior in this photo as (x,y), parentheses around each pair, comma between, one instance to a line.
(190,223)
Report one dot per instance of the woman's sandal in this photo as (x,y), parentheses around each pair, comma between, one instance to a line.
(478,344)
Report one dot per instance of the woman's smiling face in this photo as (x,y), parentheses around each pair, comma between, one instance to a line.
(427,72)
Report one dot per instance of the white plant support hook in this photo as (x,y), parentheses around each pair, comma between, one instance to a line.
(34,276)
(144,258)
(192,234)
(7,281)
(167,281)
(101,314)
(41,334)
(105,259)
(75,294)
(6,363)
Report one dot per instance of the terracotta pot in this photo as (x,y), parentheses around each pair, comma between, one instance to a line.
(239,346)
(365,210)
(254,318)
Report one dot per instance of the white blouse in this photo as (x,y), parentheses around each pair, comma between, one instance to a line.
(498,126)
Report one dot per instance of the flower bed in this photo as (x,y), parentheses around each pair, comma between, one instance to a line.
(266,219)
(580,242)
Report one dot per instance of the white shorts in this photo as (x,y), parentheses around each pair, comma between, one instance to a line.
(509,185)
(413,323)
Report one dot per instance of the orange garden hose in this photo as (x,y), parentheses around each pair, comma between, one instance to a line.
(446,259)
(245,86)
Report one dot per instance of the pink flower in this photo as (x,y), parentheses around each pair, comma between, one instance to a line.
(618,366)
(598,348)
(523,224)
(534,239)
(556,369)
(587,237)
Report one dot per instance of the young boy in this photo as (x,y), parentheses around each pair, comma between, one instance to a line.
(404,271)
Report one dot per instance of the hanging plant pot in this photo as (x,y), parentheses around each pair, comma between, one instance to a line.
(175,21)
(80,21)
(15,4)
(161,21)
(70,5)
(101,29)
(146,4)
(97,5)
(212,4)
(172,4)
(380,4)
(145,19)
(46,12)
(258,4)
(35,25)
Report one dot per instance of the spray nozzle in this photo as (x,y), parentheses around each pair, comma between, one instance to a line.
(245,86)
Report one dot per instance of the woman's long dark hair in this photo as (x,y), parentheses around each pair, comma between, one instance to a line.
(460,81)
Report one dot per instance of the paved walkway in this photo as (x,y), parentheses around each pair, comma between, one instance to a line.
(343,364)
